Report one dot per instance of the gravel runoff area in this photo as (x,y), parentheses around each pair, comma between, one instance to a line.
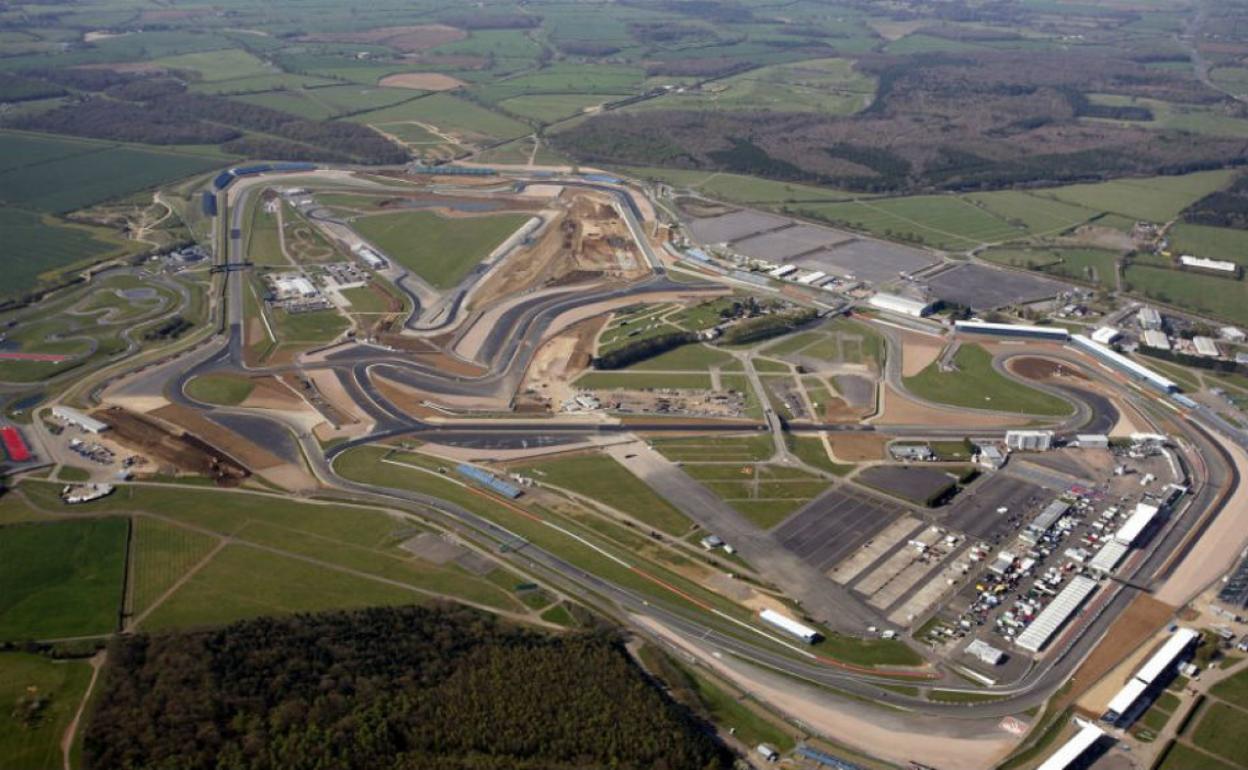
(985,288)
(834,525)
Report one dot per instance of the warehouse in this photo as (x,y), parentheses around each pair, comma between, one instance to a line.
(1137,694)
(1156,339)
(1124,364)
(74,417)
(1129,533)
(783,270)
(1029,440)
(790,626)
(810,278)
(895,303)
(1149,318)
(1106,335)
(1054,616)
(1205,346)
(369,257)
(1212,265)
(1070,752)
(1012,330)
(1109,557)
(1092,441)
(985,652)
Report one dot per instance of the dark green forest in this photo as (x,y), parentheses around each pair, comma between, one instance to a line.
(398,688)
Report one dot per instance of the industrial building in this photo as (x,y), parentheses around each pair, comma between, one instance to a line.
(1205,346)
(1204,263)
(985,652)
(783,271)
(1124,364)
(1149,318)
(895,303)
(1232,334)
(1055,333)
(72,416)
(1156,339)
(1131,530)
(789,626)
(369,257)
(811,278)
(1071,751)
(1029,440)
(1106,335)
(1137,694)
(1092,440)
(1053,617)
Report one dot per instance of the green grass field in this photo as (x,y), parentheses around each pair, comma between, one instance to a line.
(829,86)
(34,244)
(449,113)
(1156,199)
(948,222)
(548,108)
(212,66)
(1180,756)
(977,385)
(1089,265)
(1221,731)
(36,745)
(264,245)
(1208,294)
(602,478)
(745,448)
(242,582)
(697,358)
(220,389)
(1233,689)
(441,250)
(737,188)
(312,327)
(731,712)
(61,579)
(1178,117)
(1213,242)
(162,554)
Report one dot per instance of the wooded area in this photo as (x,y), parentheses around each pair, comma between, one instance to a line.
(400,688)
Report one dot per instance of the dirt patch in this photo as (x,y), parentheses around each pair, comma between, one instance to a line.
(422,81)
(1138,622)
(896,409)
(408,400)
(406,39)
(857,447)
(560,360)
(1043,369)
(234,445)
(269,393)
(918,351)
(185,452)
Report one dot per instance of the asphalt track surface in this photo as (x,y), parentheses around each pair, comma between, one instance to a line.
(1216,477)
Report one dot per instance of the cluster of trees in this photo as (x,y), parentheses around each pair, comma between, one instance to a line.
(586,48)
(643,349)
(155,110)
(492,20)
(170,329)
(14,88)
(400,688)
(1200,362)
(710,67)
(1225,208)
(764,327)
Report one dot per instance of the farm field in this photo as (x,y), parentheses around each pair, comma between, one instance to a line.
(448,113)
(829,86)
(1180,117)
(549,108)
(34,245)
(162,554)
(947,222)
(330,101)
(37,746)
(602,478)
(61,579)
(1211,295)
(737,188)
(212,66)
(1212,242)
(1087,265)
(441,250)
(991,390)
(1157,199)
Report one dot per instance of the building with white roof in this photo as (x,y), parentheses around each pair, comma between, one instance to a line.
(1205,346)
(790,626)
(985,652)
(782,271)
(1149,318)
(1134,526)
(1106,335)
(1121,362)
(1056,333)
(895,303)
(1053,617)
(1109,557)
(1131,700)
(1029,440)
(74,417)
(811,278)
(1232,334)
(1154,338)
(1204,263)
(1070,752)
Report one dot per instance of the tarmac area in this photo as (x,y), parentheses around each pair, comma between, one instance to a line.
(982,288)
(916,484)
(974,511)
(834,525)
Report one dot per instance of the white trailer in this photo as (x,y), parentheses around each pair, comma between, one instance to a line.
(790,626)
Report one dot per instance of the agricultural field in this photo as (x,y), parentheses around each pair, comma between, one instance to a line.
(162,554)
(1096,266)
(1207,294)
(829,86)
(550,108)
(37,248)
(35,743)
(976,385)
(213,66)
(1158,199)
(953,223)
(61,579)
(738,188)
(1213,242)
(462,119)
(603,479)
(1179,117)
(441,250)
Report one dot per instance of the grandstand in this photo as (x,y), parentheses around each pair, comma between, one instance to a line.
(488,480)
(1137,695)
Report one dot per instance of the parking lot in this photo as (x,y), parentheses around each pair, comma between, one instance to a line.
(834,525)
(982,288)
(867,260)
(977,510)
(734,226)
